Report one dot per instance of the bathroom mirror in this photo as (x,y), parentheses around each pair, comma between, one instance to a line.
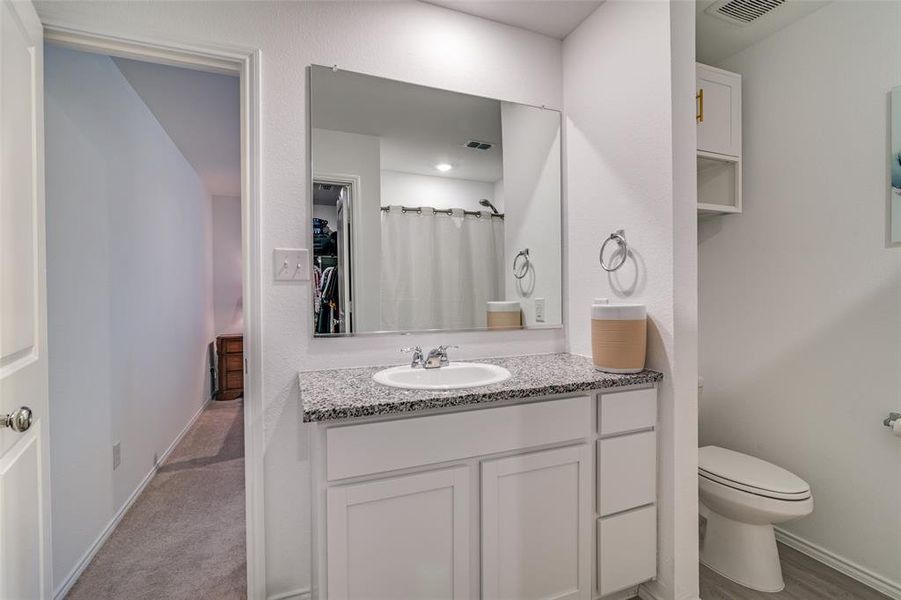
(431,210)
(895,160)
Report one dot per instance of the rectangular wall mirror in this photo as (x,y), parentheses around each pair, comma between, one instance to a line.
(895,161)
(431,210)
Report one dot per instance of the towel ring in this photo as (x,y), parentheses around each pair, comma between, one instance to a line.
(620,237)
(522,271)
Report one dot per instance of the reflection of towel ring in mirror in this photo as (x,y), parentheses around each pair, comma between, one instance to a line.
(620,237)
(523,270)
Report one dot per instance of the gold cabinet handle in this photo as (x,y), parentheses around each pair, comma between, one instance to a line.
(699,98)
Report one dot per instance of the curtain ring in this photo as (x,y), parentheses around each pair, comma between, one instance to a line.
(619,236)
(526,264)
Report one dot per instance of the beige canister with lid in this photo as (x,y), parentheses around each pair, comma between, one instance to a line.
(619,337)
(504,314)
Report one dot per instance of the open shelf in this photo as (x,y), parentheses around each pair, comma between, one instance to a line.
(719,184)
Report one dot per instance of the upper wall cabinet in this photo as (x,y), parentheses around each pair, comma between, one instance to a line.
(719,111)
(719,140)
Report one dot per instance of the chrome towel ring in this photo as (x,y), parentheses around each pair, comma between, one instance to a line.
(619,236)
(525,264)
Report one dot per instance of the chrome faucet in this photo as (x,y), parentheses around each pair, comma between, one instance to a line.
(437,357)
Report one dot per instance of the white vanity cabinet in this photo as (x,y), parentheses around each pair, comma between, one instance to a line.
(551,498)
(626,489)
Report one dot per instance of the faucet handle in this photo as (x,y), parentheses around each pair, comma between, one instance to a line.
(417,360)
(442,352)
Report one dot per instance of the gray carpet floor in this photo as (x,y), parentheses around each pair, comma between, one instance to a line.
(184,536)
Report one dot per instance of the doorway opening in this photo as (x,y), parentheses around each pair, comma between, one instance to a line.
(332,246)
(146,279)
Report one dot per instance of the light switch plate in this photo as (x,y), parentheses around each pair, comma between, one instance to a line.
(291,264)
(540,308)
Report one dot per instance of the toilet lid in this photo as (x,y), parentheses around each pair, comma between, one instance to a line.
(749,473)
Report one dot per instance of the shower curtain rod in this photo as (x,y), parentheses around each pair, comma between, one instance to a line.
(446,211)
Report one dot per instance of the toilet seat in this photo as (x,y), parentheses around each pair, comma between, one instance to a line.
(748,474)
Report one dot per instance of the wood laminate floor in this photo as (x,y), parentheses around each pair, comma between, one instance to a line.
(805,579)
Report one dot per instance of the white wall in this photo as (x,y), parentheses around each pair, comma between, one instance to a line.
(340,153)
(228,303)
(411,41)
(800,298)
(533,188)
(629,146)
(410,189)
(130,302)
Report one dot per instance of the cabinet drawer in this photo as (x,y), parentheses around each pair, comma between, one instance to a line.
(627,549)
(234,363)
(357,450)
(619,412)
(233,346)
(627,472)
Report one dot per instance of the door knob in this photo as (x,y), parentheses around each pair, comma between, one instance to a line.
(18,420)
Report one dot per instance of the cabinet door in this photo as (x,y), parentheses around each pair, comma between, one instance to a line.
(536,525)
(400,538)
(719,111)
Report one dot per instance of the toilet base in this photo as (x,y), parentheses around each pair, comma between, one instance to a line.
(744,553)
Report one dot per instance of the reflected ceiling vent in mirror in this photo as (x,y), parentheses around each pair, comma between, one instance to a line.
(477,145)
(742,12)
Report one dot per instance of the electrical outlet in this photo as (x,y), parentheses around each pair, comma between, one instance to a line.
(117,455)
(540,309)
(291,264)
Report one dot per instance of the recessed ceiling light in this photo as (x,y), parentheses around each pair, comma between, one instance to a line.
(443,167)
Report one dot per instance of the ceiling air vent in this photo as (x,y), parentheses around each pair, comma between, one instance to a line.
(742,12)
(477,145)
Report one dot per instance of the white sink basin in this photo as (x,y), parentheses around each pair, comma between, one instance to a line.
(455,376)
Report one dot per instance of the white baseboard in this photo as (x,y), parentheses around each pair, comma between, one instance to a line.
(626,594)
(841,564)
(644,593)
(300,594)
(88,556)
(650,591)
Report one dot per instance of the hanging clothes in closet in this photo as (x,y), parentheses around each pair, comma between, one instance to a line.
(329,318)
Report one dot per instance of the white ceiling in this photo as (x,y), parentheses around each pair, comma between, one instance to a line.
(555,18)
(201,112)
(717,39)
(419,126)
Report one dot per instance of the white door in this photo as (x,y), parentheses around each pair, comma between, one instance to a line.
(403,538)
(24,451)
(537,526)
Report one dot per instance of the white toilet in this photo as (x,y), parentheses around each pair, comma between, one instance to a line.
(742,497)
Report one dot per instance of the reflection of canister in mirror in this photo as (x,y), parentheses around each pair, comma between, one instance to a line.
(619,336)
(504,315)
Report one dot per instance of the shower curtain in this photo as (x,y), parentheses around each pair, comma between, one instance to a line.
(439,270)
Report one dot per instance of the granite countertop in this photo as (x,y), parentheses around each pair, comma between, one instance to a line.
(334,394)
